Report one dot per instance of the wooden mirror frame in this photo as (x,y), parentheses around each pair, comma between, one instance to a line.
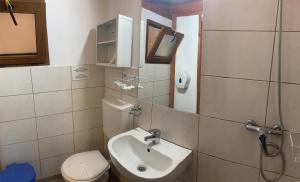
(164,30)
(41,57)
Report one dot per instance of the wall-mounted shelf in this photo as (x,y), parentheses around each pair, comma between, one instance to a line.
(114,42)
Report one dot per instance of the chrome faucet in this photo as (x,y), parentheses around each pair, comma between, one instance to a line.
(154,137)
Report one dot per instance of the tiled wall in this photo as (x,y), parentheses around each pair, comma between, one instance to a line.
(45,116)
(155,79)
(239,83)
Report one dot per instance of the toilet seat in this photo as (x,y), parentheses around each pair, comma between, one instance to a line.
(86,166)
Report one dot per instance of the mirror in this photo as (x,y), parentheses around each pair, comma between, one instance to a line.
(170,53)
(161,43)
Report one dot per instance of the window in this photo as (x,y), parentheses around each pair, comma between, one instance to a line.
(26,43)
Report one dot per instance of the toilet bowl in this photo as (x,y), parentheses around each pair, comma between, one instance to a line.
(85,167)
(92,166)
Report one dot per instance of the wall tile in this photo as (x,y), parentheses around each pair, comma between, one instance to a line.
(51,166)
(211,169)
(113,93)
(162,72)
(87,98)
(290,58)
(147,91)
(21,152)
(55,146)
(87,119)
(54,125)
(283,179)
(229,141)
(239,15)
(178,127)
(291,15)
(144,120)
(161,88)
(147,73)
(223,97)
(162,100)
(53,103)
(274,164)
(110,75)
(16,107)
(88,139)
(238,54)
(97,78)
(17,131)
(15,81)
(46,78)
(290,106)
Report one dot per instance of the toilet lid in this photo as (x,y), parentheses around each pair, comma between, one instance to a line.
(85,166)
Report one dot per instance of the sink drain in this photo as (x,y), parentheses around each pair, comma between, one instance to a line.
(141,168)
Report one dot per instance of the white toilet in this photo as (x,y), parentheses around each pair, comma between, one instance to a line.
(92,166)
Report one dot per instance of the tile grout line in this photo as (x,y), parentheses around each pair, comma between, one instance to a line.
(72,98)
(36,125)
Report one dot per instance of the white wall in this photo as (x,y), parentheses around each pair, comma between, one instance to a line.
(71,28)
(187,60)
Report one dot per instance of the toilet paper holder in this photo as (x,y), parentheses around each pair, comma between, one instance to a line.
(182,79)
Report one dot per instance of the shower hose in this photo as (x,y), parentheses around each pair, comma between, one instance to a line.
(278,149)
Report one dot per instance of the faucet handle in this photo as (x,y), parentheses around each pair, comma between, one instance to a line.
(156,132)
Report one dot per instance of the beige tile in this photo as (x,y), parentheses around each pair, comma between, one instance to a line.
(239,15)
(15,81)
(161,88)
(229,141)
(147,91)
(162,100)
(87,119)
(291,15)
(282,179)
(51,166)
(55,146)
(54,125)
(237,54)
(16,107)
(290,106)
(144,120)
(53,103)
(113,93)
(88,139)
(290,58)
(47,78)
(233,99)
(274,164)
(110,75)
(97,78)
(129,98)
(162,72)
(17,131)
(178,127)
(87,98)
(21,152)
(211,169)
(147,73)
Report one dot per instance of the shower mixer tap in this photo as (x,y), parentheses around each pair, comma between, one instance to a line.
(263,132)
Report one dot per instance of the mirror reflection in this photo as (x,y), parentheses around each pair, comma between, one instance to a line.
(170,50)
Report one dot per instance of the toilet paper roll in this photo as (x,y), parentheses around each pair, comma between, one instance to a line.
(183,79)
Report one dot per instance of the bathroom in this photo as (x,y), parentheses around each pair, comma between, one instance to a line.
(215,102)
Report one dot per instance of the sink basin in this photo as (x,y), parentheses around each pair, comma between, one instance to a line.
(138,160)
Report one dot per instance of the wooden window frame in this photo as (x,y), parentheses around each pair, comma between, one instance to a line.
(41,57)
(164,30)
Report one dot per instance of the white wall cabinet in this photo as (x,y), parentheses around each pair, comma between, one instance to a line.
(114,42)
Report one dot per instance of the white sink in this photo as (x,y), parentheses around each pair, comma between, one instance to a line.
(162,162)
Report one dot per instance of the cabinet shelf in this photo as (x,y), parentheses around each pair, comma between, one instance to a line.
(114,42)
